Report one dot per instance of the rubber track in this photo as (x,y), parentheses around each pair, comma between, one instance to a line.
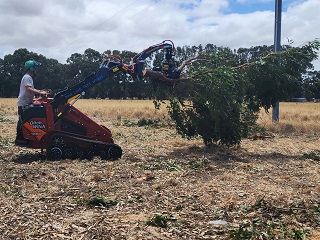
(93,142)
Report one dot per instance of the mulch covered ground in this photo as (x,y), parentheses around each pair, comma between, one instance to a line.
(164,187)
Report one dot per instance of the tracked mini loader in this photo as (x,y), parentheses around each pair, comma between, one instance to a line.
(58,127)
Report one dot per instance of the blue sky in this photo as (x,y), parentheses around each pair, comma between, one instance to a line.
(59,28)
(251,6)
(246,6)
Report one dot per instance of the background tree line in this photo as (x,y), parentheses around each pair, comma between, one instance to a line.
(54,75)
(219,99)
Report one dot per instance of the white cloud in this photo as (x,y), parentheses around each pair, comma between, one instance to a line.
(58,28)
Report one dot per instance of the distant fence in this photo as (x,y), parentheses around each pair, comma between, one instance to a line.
(304,100)
(299,100)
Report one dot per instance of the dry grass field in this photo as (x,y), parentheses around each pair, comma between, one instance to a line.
(165,186)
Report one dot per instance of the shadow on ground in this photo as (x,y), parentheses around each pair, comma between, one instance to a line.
(26,158)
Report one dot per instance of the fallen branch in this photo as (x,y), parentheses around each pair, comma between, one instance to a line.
(186,62)
(245,65)
(155,75)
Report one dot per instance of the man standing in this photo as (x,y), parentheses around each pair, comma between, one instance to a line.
(26,96)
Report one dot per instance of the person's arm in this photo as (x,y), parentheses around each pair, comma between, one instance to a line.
(36,91)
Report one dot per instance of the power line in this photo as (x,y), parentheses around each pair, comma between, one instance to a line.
(120,24)
(93,29)
(98,36)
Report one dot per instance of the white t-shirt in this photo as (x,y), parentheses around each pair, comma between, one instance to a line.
(25,97)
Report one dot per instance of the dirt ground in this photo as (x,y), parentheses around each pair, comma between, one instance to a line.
(164,187)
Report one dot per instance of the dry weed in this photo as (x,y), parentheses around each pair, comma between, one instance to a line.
(295,118)
(266,186)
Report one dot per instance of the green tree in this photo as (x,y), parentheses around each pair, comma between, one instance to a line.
(310,86)
(12,70)
(225,99)
(79,66)
(52,75)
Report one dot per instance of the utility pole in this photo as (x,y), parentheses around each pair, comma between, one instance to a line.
(277,47)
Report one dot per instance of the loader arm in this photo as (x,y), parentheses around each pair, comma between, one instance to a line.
(108,68)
